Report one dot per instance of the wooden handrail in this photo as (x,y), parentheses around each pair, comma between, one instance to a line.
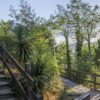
(18,66)
(94,76)
(86,73)
(30,81)
(15,80)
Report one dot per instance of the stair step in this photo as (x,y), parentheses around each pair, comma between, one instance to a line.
(4,85)
(2,76)
(3,79)
(7,97)
(6,88)
(10,99)
(6,93)
(1,71)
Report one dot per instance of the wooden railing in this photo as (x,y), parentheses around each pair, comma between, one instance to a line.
(29,95)
(83,77)
(85,96)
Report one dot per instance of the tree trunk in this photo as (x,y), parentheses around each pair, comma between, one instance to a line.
(68,58)
(89,44)
(79,44)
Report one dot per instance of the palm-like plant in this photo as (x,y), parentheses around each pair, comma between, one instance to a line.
(44,69)
(22,44)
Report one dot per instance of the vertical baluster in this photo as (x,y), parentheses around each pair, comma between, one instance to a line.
(94,81)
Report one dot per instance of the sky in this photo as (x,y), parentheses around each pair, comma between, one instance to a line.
(43,8)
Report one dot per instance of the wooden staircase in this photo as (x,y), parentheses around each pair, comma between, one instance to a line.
(6,88)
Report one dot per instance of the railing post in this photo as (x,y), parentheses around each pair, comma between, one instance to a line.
(28,68)
(94,75)
(1,50)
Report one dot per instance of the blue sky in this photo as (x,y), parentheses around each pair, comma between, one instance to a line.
(43,8)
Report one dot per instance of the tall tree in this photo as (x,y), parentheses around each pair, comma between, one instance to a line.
(90,22)
(62,23)
(68,58)
(76,8)
(25,15)
(23,21)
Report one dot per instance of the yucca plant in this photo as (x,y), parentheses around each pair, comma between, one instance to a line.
(44,71)
(22,45)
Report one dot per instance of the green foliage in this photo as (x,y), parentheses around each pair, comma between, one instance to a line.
(44,69)
(44,66)
(61,54)
(34,44)
(6,35)
(22,44)
(25,15)
(31,39)
(97,55)
(85,63)
(82,20)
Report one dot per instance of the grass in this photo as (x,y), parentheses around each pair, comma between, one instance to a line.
(14,71)
(71,90)
(50,96)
